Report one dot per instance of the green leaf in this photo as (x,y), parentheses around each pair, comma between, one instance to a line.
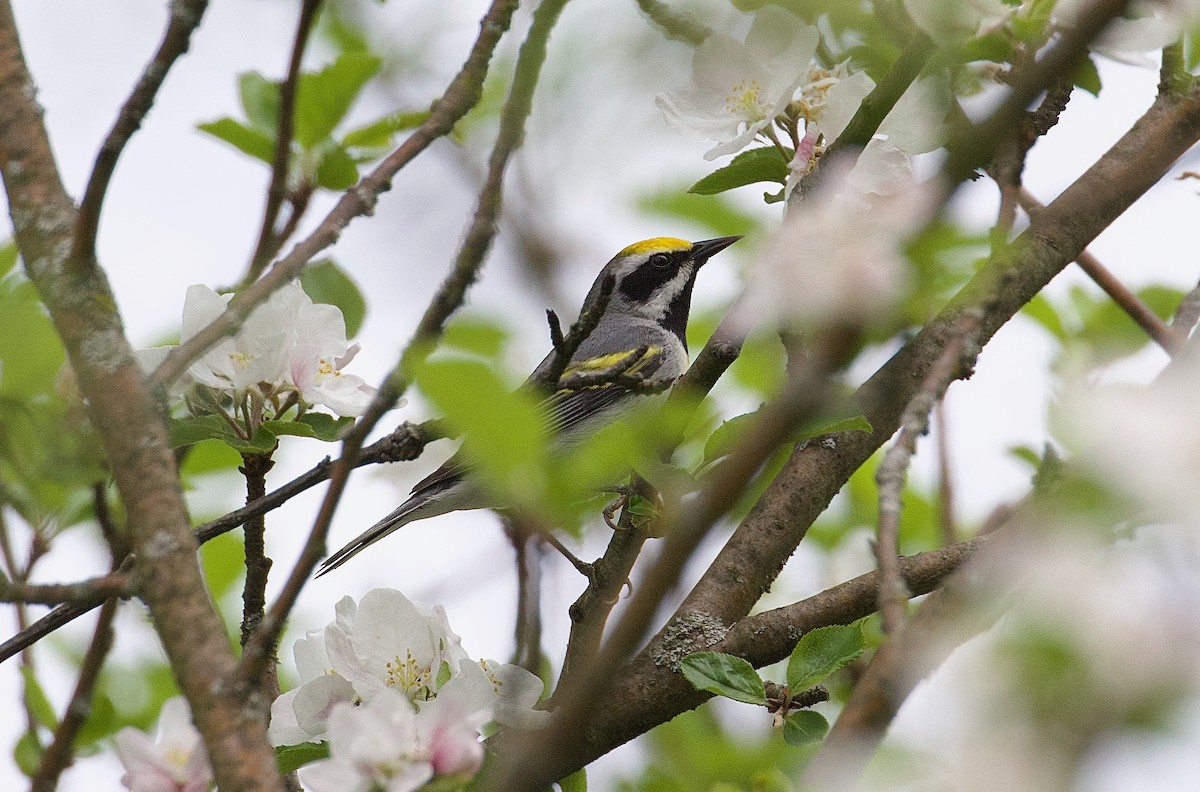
(245,139)
(8,257)
(824,426)
(101,721)
(327,427)
(209,456)
(325,282)
(725,675)
(804,726)
(221,559)
(260,100)
(476,335)
(193,429)
(1042,311)
(726,436)
(642,507)
(576,782)
(507,440)
(378,134)
(289,428)
(994,47)
(324,97)
(1087,77)
(27,753)
(337,170)
(290,758)
(37,701)
(822,651)
(749,167)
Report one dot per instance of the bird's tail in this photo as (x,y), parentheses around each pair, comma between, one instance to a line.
(403,515)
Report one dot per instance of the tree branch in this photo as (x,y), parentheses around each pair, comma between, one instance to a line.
(185,16)
(750,560)
(1163,334)
(124,409)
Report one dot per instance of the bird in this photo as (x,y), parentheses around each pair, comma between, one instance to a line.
(644,294)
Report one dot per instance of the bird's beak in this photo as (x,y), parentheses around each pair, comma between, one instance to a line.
(703,251)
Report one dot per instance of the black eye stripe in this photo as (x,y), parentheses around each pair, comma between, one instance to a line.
(641,283)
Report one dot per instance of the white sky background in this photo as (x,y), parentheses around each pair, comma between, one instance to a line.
(184,208)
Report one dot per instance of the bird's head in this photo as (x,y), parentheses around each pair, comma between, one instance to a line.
(653,279)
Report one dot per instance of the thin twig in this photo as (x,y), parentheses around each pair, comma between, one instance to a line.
(61,751)
(447,300)
(959,354)
(114,584)
(462,94)
(946,510)
(185,16)
(258,566)
(268,240)
(1187,313)
(527,555)
(1008,163)
(403,444)
(1163,334)
(566,346)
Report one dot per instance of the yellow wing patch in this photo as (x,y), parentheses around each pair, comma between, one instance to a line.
(614,360)
(656,245)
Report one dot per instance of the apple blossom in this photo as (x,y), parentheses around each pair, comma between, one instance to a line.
(289,344)
(173,762)
(387,744)
(740,88)
(387,644)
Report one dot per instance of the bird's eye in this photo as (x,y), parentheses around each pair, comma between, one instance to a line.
(660,261)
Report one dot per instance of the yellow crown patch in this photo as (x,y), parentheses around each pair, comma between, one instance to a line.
(656,245)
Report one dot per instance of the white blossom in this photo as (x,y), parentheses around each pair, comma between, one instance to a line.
(386,744)
(289,343)
(387,644)
(739,88)
(175,761)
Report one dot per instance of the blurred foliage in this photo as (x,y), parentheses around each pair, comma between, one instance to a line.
(320,158)
(857,507)
(1088,320)
(696,752)
(49,454)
